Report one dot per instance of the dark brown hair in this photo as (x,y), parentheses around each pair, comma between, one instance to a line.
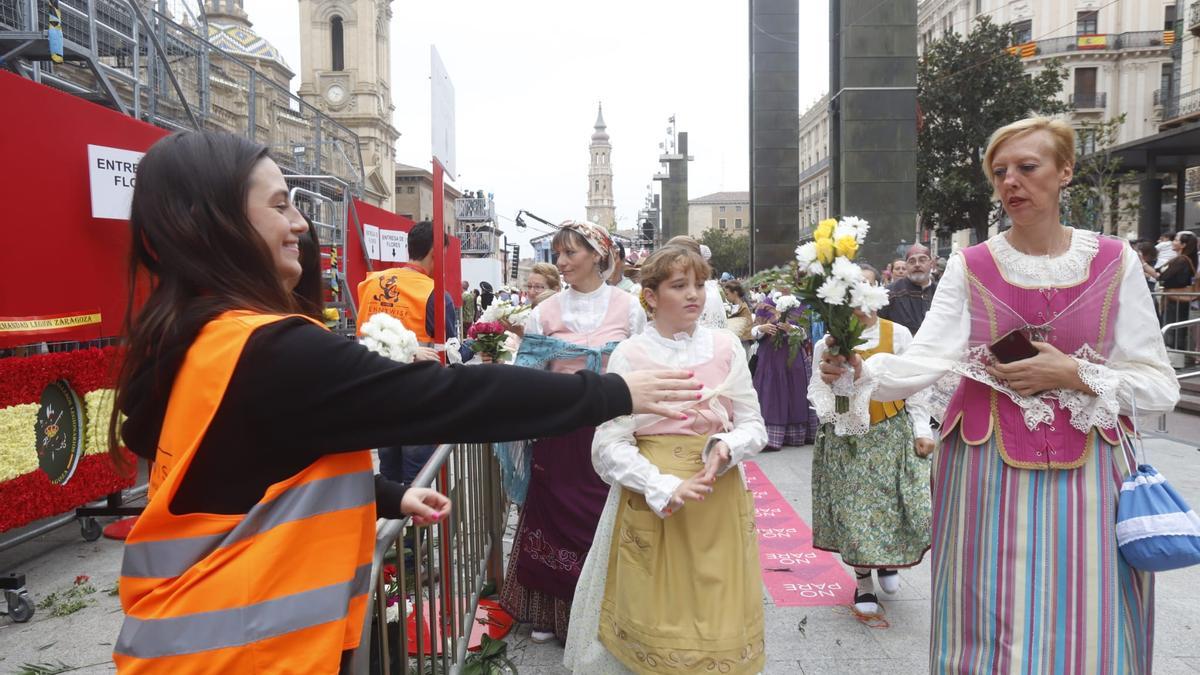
(310,289)
(193,248)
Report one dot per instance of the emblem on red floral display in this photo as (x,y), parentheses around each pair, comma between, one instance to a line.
(59,432)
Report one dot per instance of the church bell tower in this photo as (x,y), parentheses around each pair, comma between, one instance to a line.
(600,208)
(345,72)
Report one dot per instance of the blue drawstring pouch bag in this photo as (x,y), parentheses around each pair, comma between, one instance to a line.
(1156,529)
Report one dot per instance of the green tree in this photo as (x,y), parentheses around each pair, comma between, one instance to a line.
(730,252)
(1094,200)
(967,87)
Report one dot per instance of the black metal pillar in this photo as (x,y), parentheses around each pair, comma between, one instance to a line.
(874,118)
(774,132)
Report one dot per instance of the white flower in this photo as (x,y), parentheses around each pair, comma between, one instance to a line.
(868,297)
(806,254)
(844,230)
(386,335)
(833,291)
(786,303)
(860,226)
(846,270)
(503,310)
(816,269)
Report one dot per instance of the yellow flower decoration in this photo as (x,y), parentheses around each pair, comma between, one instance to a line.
(824,250)
(825,229)
(95,431)
(18,441)
(846,246)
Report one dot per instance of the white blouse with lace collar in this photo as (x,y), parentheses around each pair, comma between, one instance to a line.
(1137,368)
(583,312)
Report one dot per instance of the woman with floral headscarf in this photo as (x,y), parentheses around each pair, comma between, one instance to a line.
(574,329)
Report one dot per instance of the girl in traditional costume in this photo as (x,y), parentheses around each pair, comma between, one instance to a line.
(870,493)
(573,330)
(672,583)
(1027,577)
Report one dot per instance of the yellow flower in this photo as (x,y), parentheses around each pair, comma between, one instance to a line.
(332,314)
(824,229)
(18,441)
(824,251)
(847,246)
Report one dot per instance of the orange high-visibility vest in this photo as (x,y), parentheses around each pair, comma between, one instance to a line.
(882,410)
(401,292)
(281,588)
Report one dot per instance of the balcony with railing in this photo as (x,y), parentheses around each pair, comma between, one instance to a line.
(474,210)
(1144,39)
(1180,109)
(1193,18)
(1094,100)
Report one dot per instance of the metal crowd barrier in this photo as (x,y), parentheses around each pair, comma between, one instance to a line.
(1183,348)
(452,561)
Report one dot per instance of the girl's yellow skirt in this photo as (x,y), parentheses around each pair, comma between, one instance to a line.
(684,593)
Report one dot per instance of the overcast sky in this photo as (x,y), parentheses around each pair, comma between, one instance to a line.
(528,75)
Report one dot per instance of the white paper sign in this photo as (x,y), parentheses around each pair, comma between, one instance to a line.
(112,172)
(393,246)
(371,241)
(441,98)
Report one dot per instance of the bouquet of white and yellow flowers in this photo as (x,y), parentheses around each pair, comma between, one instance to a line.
(833,285)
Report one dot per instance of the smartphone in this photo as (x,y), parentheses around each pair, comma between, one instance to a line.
(1014,346)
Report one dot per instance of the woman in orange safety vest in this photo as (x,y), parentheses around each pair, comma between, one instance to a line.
(253,555)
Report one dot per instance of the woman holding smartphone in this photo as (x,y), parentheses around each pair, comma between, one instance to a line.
(1026,572)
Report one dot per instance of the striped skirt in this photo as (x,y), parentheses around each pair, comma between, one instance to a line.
(1027,577)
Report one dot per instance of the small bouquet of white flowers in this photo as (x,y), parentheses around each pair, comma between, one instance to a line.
(505,312)
(834,286)
(386,335)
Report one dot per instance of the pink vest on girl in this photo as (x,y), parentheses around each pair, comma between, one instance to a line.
(979,411)
(701,421)
(614,328)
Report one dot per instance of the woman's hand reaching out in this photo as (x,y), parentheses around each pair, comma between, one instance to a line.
(425,505)
(652,390)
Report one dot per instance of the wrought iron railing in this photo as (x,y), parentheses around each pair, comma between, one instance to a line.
(1147,39)
(1095,100)
(1184,105)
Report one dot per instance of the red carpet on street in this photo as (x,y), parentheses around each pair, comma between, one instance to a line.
(794,572)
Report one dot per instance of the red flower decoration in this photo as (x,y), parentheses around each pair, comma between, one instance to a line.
(389,572)
(32,496)
(23,379)
(485,328)
(82,579)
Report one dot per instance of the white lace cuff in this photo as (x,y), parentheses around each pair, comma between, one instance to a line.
(658,493)
(1087,411)
(855,421)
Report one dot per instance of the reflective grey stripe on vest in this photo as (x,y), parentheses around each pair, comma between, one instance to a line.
(204,631)
(172,557)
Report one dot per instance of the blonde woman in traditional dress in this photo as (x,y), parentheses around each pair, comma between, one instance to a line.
(672,583)
(870,493)
(1027,577)
(573,330)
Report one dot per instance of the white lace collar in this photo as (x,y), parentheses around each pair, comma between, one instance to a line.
(1068,268)
(600,292)
(678,341)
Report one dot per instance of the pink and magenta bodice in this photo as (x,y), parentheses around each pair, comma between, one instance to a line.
(712,373)
(998,306)
(613,328)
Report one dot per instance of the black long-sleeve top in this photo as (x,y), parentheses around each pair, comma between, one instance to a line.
(1178,273)
(299,392)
